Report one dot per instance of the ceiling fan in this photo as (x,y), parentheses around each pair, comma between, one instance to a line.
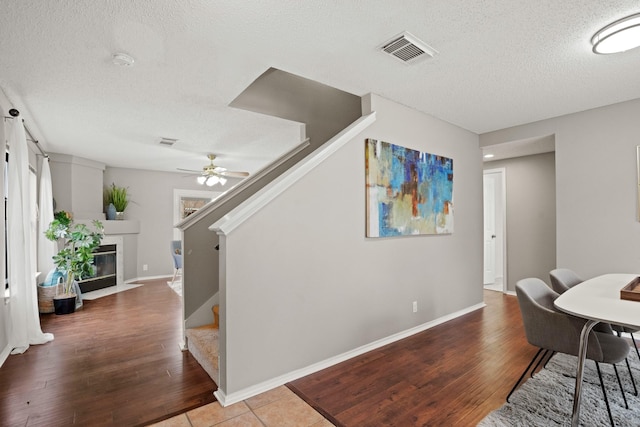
(212,174)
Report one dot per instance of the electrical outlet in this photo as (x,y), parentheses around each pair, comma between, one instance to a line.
(415,306)
(145,267)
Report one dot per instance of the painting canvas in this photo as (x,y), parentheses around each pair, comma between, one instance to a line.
(408,192)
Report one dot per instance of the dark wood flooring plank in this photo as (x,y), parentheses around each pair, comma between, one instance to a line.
(115,362)
(452,374)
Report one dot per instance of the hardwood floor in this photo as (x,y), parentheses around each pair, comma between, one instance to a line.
(452,375)
(116,362)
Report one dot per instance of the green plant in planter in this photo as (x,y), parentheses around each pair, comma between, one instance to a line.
(75,259)
(118,196)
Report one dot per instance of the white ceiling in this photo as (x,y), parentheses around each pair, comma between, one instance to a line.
(501,63)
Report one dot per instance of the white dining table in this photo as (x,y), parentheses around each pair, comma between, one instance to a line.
(597,300)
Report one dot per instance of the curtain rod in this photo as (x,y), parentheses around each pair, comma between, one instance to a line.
(14,114)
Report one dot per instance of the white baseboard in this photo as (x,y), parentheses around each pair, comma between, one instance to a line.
(141,279)
(262,387)
(221,397)
(4,354)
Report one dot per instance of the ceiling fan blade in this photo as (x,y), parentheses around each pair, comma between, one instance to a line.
(233,174)
(189,170)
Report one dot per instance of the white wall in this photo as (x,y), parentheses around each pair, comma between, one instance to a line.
(531,216)
(302,284)
(596,186)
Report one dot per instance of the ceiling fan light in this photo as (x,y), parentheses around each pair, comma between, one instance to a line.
(212,180)
(201,179)
(222,180)
(619,36)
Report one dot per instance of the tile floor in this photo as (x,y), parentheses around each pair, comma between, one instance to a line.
(279,407)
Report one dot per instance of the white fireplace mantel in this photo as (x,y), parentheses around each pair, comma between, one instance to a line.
(117,227)
(121,227)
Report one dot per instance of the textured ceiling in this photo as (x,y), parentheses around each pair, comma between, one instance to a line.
(501,63)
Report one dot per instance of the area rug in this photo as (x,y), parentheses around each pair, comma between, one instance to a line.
(176,286)
(108,291)
(547,398)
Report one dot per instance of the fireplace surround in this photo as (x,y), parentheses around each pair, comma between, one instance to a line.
(108,260)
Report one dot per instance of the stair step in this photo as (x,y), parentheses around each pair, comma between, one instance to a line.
(202,343)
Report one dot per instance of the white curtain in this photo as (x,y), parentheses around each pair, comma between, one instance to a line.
(24,329)
(46,248)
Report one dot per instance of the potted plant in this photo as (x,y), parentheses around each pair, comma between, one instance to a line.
(75,259)
(119,198)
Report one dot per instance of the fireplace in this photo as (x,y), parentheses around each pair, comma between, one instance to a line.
(107,259)
(104,260)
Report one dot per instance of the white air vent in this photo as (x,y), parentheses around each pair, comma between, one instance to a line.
(408,48)
(168,142)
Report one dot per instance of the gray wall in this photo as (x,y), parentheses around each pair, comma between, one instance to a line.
(325,111)
(302,283)
(151,194)
(531,216)
(77,185)
(596,186)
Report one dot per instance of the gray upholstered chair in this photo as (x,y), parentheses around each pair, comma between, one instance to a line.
(563,279)
(551,330)
(176,253)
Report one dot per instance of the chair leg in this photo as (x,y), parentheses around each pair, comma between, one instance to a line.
(175,274)
(624,397)
(633,381)
(540,361)
(524,373)
(545,363)
(606,400)
(633,340)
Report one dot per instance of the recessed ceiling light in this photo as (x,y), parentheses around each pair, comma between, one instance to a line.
(123,60)
(488,156)
(619,36)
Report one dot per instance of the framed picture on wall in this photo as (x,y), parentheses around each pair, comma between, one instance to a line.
(408,192)
(187,202)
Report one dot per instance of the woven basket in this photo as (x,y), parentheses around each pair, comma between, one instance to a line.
(45,297)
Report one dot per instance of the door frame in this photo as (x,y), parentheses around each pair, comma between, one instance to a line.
(501,225)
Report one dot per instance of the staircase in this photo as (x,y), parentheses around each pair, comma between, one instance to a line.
(202,343)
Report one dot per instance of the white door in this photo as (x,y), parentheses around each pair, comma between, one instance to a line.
(489,197)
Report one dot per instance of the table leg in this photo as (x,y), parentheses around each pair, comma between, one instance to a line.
(582,355)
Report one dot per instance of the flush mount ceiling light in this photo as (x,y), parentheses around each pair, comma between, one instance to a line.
(123,60)
(619,36)
(489,156)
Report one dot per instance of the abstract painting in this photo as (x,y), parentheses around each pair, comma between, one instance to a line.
(408,192)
